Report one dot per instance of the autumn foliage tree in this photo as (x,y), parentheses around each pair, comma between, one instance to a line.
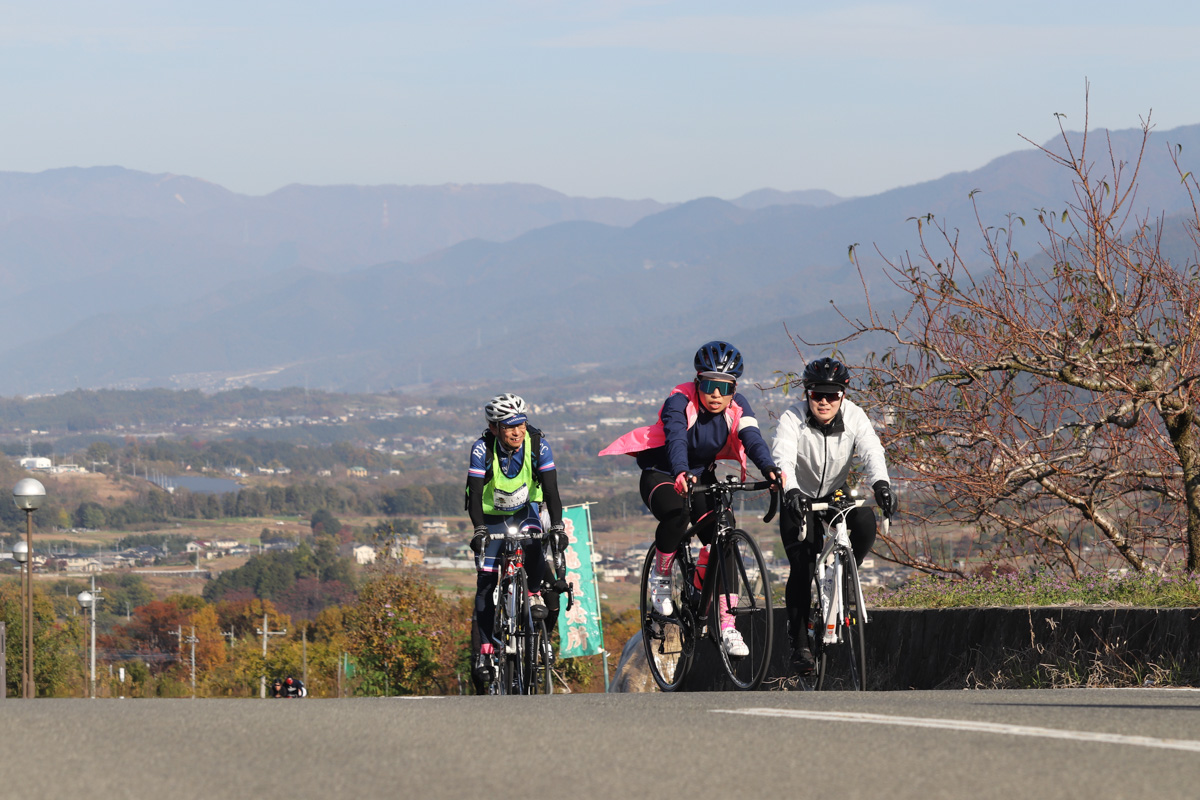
(1048,403)
(406,637)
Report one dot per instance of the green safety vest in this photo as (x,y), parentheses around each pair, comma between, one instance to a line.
(504,496)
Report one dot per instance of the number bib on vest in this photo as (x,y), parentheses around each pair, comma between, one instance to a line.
(510,501)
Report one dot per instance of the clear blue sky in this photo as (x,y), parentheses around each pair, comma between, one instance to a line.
(670,100)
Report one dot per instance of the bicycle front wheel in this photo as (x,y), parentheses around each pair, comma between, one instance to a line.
(518,658)
(512,631)
(743,596)
(666,638)
(852,623)
(843,664)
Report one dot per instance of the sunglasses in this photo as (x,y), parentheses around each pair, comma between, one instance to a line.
(828,397)
(708,386)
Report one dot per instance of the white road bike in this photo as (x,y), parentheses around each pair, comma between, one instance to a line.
(839,613)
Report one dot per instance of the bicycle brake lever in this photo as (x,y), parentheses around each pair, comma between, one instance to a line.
(774,503)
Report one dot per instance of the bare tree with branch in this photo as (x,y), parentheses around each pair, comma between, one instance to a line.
(1048,404)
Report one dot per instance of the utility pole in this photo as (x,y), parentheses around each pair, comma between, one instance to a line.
(95,599)
(264,632)
(304,650)
(192,640)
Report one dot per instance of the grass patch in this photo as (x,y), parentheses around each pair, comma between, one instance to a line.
(1146,590)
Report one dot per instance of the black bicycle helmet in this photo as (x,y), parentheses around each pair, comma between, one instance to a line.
(826,372)
(719,357)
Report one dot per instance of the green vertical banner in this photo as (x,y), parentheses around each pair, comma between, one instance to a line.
(579,630)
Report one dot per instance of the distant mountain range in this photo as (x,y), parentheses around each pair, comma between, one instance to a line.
(123,279)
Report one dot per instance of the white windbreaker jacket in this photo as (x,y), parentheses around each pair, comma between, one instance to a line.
(818,461)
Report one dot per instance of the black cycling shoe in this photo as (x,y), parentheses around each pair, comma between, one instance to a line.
(483,673)
(803,660)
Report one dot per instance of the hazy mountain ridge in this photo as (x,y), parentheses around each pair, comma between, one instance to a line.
(547,301)
(77,240)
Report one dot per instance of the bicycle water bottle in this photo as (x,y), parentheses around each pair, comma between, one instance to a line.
(701,567)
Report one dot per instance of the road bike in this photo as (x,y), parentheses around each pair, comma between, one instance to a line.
(728,573)
(838,616)
(525,655)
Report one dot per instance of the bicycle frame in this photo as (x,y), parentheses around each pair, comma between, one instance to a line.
(722,498)
(829,566)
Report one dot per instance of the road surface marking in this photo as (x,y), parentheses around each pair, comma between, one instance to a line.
(971,725)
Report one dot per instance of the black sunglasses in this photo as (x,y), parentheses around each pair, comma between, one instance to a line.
(708,386)
(828,397)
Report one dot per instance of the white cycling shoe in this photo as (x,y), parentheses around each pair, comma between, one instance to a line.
(733,643)
(660,594)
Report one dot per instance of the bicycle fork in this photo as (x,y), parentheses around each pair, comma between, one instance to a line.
(829,584)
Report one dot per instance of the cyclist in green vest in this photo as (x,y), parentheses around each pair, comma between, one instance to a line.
(512,480)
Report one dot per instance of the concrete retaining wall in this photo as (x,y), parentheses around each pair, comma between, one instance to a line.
(988,647)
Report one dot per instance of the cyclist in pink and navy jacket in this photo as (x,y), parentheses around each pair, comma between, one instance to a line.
(700,423)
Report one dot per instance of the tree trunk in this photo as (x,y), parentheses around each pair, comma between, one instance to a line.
(1183,439)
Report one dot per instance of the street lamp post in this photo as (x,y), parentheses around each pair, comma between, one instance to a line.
(87,600)
(21,554)
(28,495)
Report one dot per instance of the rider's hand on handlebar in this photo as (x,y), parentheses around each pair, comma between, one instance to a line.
(559,586)
(478,539)
(774,475)
(796,505)
(682,481)
(884,498)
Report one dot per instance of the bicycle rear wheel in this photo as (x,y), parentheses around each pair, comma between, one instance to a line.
(540,664)
(743,581)
(816,645)
(667,638)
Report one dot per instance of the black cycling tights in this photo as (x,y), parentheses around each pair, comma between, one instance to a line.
(861,526)
(658,493)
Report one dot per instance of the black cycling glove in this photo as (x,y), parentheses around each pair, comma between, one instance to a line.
(558,538)
(884,498)
(796,506)
(478,539)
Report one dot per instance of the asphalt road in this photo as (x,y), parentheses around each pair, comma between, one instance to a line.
(1034,744)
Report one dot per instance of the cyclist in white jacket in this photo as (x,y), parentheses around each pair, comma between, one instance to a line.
(817,441)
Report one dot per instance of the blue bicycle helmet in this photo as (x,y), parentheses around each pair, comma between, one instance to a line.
(720,359)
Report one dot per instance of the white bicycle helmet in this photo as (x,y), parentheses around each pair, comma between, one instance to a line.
(504,406)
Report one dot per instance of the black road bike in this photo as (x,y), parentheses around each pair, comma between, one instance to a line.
(525,654)
(735,573)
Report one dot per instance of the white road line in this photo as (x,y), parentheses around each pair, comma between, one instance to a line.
(970,725)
